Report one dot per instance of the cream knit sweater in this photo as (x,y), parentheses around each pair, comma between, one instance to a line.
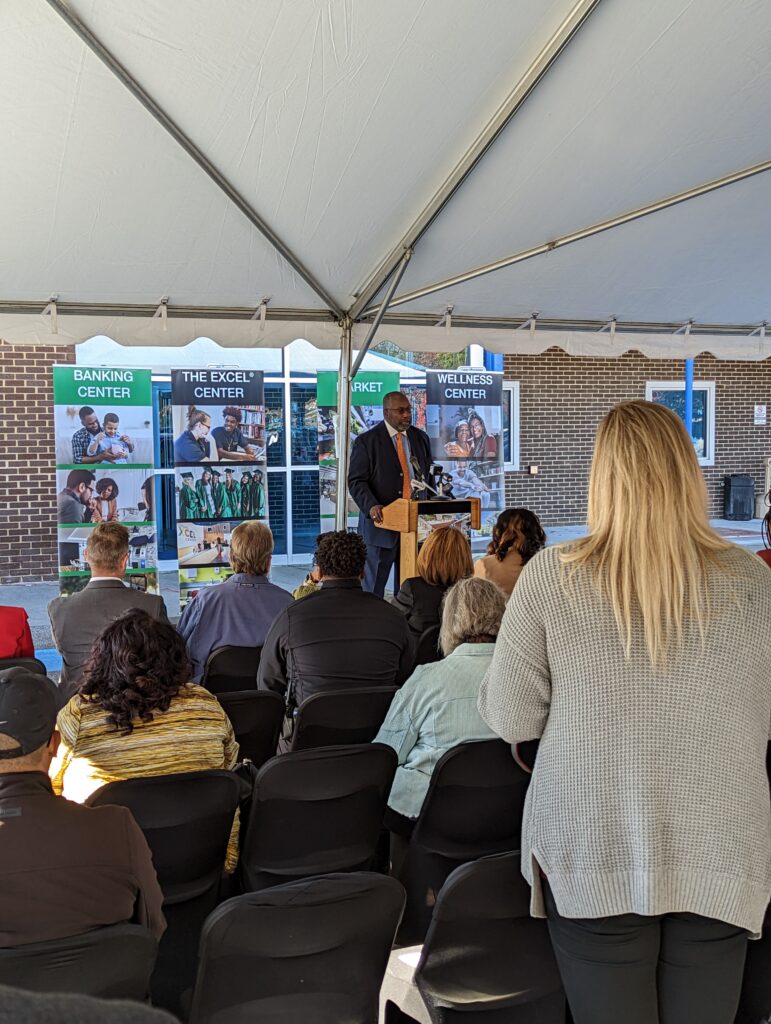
(650,793)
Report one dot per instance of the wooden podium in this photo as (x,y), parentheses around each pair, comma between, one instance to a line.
(402,516)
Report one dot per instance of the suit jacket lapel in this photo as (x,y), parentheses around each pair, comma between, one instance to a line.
(389,443)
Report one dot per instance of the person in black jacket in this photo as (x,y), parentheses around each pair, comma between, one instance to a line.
(381,470)
(338,637)
(443,559)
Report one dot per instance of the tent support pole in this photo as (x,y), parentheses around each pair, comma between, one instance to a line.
(578,236)
(344,379)
(160,115)
(381,312)
(518,95)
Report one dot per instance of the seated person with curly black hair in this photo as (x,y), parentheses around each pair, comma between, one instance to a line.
(517,536)
(338,637)
(137,714)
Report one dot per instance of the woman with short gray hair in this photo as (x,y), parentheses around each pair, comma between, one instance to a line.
(436,709)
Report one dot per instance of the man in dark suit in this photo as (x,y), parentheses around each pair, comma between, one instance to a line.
(77,619)
(381,470)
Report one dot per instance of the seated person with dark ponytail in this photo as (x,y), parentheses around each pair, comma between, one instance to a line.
(517,536)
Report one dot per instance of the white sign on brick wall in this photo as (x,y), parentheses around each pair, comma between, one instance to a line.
(760,416)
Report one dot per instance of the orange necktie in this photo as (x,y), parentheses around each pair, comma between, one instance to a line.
(406,489)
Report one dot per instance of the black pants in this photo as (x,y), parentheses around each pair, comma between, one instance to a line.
(377,569)
(671,969)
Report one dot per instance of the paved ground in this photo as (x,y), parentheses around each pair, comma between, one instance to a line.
(35,596)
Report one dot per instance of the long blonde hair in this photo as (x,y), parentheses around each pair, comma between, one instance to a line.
(649,539)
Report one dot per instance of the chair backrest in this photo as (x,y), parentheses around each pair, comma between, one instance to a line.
(316,811)
(474,802)
(31,664)
(231,668)
(186,820)
(338,717)
(113,962)
(314,950)
(484,952)
(256,717)
(428,647)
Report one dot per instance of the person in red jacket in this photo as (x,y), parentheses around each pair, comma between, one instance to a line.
(15,635)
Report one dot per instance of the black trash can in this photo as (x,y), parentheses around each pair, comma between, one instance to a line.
(738,496)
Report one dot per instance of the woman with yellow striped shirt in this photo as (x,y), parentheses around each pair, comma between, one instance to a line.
(137,715)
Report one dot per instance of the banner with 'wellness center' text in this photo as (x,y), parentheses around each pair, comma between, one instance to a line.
(464,422)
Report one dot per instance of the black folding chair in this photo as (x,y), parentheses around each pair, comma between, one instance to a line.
(231,668)
(428,647)
(473,808)
(485,960)
(30,664)
(186,820)
(113,962)
(314,950)
(316,811)
(338,717)
(256,717)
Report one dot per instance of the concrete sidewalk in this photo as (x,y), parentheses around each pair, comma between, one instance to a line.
(34,597)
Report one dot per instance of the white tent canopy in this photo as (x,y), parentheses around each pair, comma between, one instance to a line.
(343,132)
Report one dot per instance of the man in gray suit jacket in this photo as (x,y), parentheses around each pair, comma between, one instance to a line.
(77,620)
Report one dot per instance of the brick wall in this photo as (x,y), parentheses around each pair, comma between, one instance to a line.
(27,474)
(563,398)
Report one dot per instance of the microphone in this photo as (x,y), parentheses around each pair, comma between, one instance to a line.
(416,469)
(422,485)
(419,482)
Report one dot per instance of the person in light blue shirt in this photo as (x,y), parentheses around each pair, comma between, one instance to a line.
(436,709)
(239,611)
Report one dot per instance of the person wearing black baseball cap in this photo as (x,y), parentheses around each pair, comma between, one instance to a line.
(65,869)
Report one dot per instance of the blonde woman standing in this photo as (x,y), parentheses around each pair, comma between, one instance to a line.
(641,657)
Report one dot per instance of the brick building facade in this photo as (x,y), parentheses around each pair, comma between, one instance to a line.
(27,473)
(563,398)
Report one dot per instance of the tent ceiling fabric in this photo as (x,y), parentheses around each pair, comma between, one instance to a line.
(338,120)
(647,101)
(334,120)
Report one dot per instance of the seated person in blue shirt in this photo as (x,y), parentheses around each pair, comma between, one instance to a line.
(436,709)
(239,611)
(230,438)
(193,445)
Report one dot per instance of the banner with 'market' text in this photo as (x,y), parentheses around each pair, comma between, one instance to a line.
(367,392)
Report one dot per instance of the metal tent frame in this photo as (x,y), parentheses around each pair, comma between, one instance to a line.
(388,271)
